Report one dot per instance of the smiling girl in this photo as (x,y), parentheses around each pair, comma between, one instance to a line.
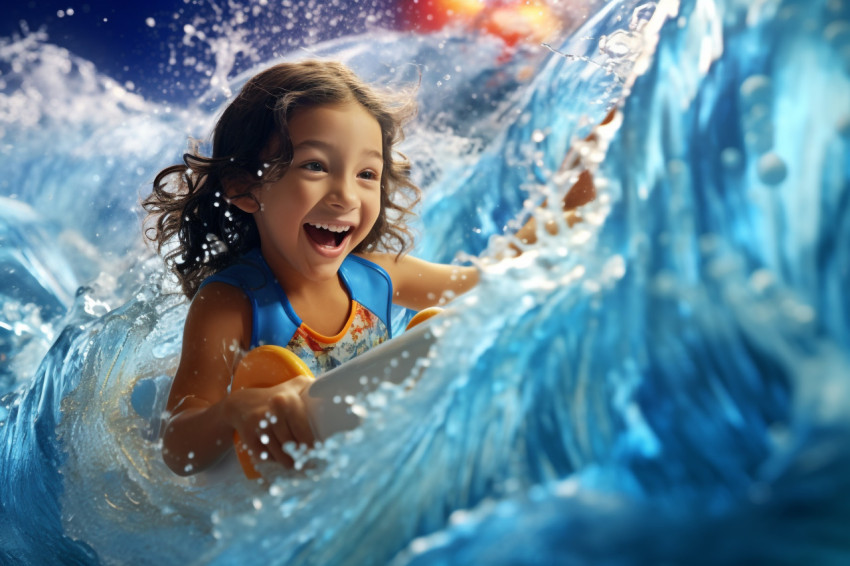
(283,236)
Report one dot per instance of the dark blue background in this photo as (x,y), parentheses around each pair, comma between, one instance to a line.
(114,36)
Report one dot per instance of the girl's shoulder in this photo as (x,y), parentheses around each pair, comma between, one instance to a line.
(387,261)
(404,265)
(216,292)
(218,306)
(418,284)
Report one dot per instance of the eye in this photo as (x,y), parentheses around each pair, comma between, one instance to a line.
(313,166)
(369,175)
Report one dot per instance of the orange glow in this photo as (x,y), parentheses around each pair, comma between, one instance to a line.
(530,20)
(462,8)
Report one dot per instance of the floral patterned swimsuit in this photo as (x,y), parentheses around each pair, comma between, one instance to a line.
(362,332)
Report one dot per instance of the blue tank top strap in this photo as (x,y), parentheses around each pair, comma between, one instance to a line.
(273,319)
(370,285)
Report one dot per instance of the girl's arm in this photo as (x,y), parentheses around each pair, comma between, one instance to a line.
(419,284)
(203,416)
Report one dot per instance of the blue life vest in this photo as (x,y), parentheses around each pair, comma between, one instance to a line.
(274,320)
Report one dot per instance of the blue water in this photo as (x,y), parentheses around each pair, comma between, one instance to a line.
(666,382)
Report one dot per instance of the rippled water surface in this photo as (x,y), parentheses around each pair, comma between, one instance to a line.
(664,382)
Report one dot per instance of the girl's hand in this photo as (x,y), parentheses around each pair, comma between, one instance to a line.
(266,418)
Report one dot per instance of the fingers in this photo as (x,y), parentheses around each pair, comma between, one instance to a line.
(300,426)
(272,417)
(263,446)
(293,423)
(273,438)
(581,193)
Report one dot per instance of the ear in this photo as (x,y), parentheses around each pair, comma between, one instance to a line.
(244,201)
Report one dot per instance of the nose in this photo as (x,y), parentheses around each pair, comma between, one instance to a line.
(343,193)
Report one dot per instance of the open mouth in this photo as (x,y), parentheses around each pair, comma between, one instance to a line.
(327,235)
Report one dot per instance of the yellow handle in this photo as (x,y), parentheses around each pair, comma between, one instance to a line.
(422,316)
(265,366)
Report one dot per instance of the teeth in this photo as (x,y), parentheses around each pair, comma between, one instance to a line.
(331,228)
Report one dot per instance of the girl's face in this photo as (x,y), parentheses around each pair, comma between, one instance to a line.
(329,198)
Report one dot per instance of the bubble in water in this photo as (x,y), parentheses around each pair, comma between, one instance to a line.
(757,89)
(731,159)
(772,169)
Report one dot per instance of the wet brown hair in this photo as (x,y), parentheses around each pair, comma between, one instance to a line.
(189,200)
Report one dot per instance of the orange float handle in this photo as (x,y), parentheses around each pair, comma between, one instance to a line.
(422,316)
(265,366)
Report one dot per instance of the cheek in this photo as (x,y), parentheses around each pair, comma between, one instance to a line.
(283,201)
(376,200)
(371,212)
(375,209)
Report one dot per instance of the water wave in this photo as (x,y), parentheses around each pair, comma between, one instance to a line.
(664,382)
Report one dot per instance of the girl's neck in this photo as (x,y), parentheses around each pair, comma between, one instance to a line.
(324,305)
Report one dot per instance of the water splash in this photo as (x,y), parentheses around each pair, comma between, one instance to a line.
(680,355)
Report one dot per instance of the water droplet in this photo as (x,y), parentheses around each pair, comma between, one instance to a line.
(757,89)
(772,169)
(731,159)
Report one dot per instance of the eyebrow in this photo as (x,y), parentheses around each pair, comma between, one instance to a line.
(329,147)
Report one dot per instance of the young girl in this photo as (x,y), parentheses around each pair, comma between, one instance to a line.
(291,233)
